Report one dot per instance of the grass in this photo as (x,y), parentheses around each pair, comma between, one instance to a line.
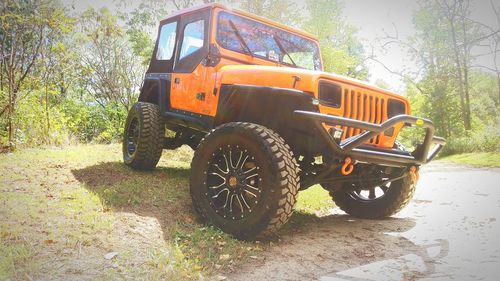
(482,159)
(63,210)
(314,200)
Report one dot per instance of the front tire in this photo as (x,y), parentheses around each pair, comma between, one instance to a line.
(244,180)
(143,136)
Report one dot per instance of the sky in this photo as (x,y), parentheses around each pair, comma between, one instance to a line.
(374,19)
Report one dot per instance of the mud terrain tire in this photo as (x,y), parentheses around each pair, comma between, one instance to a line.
(143,136)
(252,198)
(396,198)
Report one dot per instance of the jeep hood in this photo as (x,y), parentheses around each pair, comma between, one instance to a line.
(285,77)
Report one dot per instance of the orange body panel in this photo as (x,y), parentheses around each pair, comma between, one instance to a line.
(372,109)
(239,68)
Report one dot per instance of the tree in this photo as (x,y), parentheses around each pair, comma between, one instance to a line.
(27,30)
(111,72)
(342,52)
(456,12)
(443,51)
(493,44)
(283,11)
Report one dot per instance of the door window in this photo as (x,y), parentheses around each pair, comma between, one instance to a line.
(166,43)
(193,40)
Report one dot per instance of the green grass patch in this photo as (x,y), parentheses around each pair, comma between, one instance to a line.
(15,253)
(63,210)
(72,206)
(482,159)
(314,200)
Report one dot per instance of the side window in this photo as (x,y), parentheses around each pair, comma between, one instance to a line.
(166,42)
(194,34)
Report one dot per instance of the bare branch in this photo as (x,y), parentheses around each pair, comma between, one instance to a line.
(484,66)
(402,75)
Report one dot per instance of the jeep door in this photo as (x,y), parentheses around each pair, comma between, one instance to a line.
(191,80)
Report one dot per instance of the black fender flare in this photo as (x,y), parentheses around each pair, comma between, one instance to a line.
(156,90)
(273,108)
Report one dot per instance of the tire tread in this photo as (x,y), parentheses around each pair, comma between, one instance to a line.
(151,137)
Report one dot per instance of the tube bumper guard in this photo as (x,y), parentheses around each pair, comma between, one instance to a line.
(351,146)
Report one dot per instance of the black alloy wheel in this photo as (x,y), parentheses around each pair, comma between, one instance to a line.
(375,202)
(234,183)
(132,136)
(373,193)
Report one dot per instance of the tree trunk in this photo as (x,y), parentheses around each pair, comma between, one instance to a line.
(465,56)
(468,125)
(461,90)
(498,84)
(47,115)
(9,121)
(10,111)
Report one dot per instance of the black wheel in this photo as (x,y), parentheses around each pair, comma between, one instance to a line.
(375,202)
(143,136)
(244,180)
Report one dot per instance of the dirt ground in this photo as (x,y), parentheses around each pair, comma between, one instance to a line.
(450,231)
(79,214)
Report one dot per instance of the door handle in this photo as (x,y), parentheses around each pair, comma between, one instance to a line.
(200,96)
(177,80)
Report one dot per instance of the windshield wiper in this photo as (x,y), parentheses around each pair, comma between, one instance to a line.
(283,50)
(240,38)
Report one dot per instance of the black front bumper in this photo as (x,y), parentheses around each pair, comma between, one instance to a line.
(354,146)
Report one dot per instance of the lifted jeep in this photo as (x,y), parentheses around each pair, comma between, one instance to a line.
(249,96)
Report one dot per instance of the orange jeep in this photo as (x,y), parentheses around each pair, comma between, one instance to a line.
(249,96)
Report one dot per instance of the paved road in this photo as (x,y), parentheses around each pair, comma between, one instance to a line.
(450,231)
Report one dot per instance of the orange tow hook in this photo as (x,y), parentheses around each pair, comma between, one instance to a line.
(348,167)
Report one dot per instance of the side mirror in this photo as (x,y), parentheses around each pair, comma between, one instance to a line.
(213,58)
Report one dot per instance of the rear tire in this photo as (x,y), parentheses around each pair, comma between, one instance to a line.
(143,136)
(244,180)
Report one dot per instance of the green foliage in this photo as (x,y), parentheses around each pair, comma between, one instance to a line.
(485,140)
(461,100)
(482,159)
(33,129)
(29,30)
(443,109)
(283,11)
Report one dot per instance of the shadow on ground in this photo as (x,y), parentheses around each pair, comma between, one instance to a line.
(308,247)
(162,193)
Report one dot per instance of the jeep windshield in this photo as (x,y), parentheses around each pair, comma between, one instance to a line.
(243,35)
